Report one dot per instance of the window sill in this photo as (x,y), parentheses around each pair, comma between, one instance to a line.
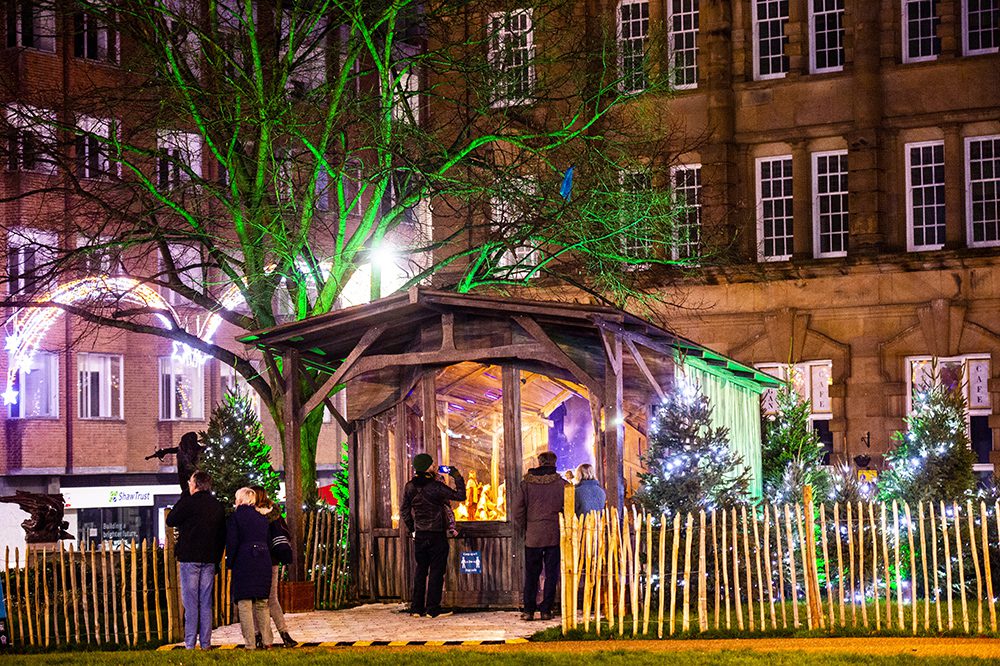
(102,419)
(51,419)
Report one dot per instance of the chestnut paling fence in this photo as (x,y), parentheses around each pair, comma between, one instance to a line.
(128,593)
(879,566)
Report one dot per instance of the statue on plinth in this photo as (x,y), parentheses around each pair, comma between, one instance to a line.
(46,524)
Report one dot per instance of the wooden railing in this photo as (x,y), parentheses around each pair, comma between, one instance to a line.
(883,566)
(129,593)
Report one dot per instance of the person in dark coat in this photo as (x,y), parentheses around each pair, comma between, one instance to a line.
(276,525)
(188,452)
(589,495)
(248,555)
(200,520)
(536,512)
(424,501)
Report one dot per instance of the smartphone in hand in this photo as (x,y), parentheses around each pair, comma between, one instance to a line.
(444,469)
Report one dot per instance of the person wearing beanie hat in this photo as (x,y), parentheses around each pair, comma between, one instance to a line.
(424,501)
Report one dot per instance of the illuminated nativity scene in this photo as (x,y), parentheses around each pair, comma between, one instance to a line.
(484,384)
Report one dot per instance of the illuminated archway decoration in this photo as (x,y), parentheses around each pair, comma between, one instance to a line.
(30,325)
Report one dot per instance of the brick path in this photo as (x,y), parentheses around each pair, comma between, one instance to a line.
(385,622)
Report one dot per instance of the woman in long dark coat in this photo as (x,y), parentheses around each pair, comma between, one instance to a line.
(248,555)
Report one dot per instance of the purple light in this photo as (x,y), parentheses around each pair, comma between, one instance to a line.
(491,376)
(457,408)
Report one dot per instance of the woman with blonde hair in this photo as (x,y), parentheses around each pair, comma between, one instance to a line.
(248,555)
(589,494)
(278,531)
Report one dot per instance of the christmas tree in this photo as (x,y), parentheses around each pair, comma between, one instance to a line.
(792,455)
(689,465)
(932,460)
(235,454)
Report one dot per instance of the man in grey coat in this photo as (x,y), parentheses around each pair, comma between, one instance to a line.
(536,511)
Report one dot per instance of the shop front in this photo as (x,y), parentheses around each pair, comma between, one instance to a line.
(118,514)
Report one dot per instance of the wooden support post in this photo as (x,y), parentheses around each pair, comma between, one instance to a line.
(614,427)
(293,461)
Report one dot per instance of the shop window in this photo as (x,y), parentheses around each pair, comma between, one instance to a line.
(119,525)
(100,386)
(470,430)
(556,416)
(182,390)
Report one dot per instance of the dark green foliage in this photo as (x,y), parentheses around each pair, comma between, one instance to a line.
(845,486)
(792,454)
(690,465)
(932,460)
(235,454)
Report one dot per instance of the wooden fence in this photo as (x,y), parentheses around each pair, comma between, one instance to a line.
(129,593)
(882,566)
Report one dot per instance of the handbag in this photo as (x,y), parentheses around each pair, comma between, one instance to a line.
(281,545)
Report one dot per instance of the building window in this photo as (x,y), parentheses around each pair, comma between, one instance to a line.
(811,380)
(100,386)
(774,206)
(920,23)
(37,387)
(633,30)
(31,24)
(30,139)
(830,215)
(969,374)
(93,38)
(92,146)
(307,70)
(231,381)
(511,54)
(179,158)
(31,256)
(769,20)
(826,33)
(687,192)
(98,256)
(190,270)
(684,43)
(636,233)
(511,227)
(925,195)
(981,26)
(182,390)
(982,190)
(406,95)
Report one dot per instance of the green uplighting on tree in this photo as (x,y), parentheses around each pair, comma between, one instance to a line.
(235,453)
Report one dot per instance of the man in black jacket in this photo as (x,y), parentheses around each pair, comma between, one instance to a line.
(201,523)
(424,502)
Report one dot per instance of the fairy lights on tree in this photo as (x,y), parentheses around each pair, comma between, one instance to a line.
(792,454)
(235,454)
(932,460)
(690,464)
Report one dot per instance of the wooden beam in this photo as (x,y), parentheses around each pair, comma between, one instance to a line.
(447,331)
(341,420)
(370,336)
(428,408)
(513,461)
(530,352)
(482,369)
(293,462)
(561,359)
(641,362)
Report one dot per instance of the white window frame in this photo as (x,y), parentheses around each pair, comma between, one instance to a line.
(904,4)
(44,27)
(96,134)
(499,36)
(179,17)
(908,148)
(190,269)
(230,379)
(108,408)
(45,245)
(631,245)
(804,384)
(25,119)
(108,42)
(692,12)
(177,148)
(760,211)
(406,95)
(995,180)
(501,212)
(966,49)
(174,368)
(43,363)
(817,213)
(813,45)
(690,207)
(626,46)
(756,44)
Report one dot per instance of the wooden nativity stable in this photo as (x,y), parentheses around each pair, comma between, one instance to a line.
(486,383)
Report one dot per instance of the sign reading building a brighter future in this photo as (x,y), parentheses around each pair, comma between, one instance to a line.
(113,496)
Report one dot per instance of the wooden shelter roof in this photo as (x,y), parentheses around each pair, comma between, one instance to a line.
(389,327)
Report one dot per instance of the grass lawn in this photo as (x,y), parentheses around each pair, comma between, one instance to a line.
(561,654)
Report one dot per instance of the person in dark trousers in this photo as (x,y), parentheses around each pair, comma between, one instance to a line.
(188,452)
(536,513)
(277,527)
(424,501)
(248,555)
(200,520)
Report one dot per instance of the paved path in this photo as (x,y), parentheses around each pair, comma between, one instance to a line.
(385,622)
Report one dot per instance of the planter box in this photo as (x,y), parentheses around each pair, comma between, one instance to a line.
(297,597)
